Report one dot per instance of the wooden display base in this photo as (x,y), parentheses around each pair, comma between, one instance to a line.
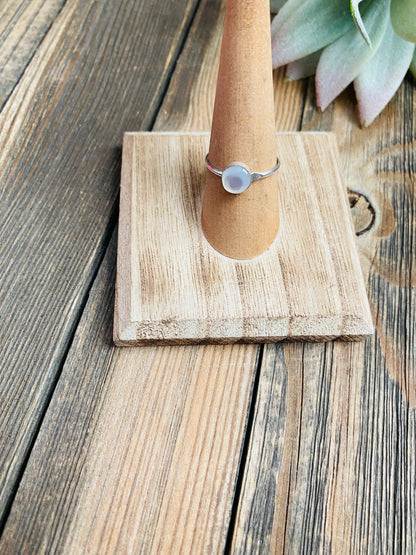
(174,288)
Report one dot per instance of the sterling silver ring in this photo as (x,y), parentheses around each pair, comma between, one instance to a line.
(237,177)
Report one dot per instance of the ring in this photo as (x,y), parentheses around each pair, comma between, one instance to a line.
(237,177)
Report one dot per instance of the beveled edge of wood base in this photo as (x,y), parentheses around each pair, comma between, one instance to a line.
(132,337)
(345,325)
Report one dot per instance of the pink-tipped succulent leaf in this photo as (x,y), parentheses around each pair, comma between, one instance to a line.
(381,76)
(319,36)
(304,26)
(304,67)
(344,59)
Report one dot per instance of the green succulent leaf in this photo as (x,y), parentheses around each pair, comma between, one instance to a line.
(403,18)
(275,5)
(304,67)
(355,11)
(343,60)
(304,26)
(380,78)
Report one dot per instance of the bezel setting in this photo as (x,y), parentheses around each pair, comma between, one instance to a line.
(236,178)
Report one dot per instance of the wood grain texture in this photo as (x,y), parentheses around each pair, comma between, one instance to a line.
(201,383)
(173,288)
(60,136)
(60,483)
(129,452)
(332,457)
(23,25)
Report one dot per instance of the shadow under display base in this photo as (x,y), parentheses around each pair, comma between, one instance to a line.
(174,288)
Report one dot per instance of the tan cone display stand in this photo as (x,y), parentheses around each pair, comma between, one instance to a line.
(243,129)
(197,264)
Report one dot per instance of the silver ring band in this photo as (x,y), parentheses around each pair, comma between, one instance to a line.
(237,177)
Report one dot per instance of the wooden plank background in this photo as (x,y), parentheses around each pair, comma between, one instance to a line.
(331,464)
(158,448)
(101,69)
(23,25)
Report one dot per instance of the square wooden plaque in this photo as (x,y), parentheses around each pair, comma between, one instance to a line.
(174,288)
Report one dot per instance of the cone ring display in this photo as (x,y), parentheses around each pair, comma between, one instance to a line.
(243,226)
(237,177)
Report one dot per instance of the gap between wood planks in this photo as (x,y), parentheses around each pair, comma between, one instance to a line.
(244,451)
(102,250)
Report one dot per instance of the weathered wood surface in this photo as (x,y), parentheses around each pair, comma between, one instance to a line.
(23,24)
(179,439)
(125,464)
(331,461)
(174,288)
(331,465)
(102,68)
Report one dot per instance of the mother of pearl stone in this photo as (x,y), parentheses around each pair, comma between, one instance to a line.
(236,178)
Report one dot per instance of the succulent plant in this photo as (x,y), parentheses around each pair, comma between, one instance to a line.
(370,43)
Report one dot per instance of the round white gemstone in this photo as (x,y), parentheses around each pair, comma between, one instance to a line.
(236,179)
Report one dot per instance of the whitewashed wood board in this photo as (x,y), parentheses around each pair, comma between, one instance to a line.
(173,287)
